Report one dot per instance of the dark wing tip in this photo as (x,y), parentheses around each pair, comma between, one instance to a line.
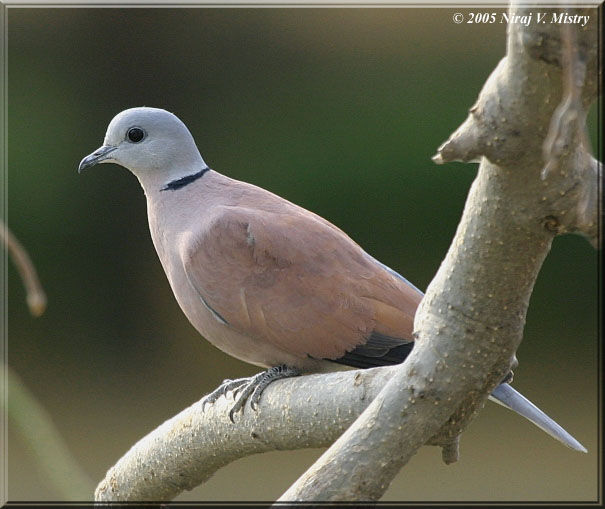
(379,350)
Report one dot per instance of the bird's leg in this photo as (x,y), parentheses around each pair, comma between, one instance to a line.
(250,387)
(257,384)
(264,379)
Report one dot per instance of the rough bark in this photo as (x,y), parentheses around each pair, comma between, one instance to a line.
(303,412)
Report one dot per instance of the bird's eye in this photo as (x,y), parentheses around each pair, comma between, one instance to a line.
(135,134)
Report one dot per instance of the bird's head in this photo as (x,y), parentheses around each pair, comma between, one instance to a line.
(152,143)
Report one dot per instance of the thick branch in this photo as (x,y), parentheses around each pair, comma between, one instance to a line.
(471,320)
(185,451)
(468,328)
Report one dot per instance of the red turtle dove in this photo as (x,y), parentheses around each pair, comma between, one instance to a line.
(261,278)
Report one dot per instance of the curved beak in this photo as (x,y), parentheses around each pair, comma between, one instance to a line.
(98,156)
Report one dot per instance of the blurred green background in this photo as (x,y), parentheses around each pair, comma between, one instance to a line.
(338,110)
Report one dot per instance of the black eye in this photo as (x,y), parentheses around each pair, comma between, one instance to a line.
(135,134)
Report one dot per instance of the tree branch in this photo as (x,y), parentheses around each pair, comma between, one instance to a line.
(296,413)
(468,326)
(470,322)
(36,298)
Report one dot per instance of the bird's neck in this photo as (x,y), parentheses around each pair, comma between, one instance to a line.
(173,213)
(178,183)
(177,178)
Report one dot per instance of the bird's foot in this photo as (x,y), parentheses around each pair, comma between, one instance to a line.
(249,388)
(225,387)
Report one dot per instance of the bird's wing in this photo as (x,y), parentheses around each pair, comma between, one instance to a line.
(293,279)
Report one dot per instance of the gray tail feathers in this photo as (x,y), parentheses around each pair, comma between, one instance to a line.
(511,399)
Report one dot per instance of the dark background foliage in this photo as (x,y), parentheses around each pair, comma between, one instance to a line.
(338,110)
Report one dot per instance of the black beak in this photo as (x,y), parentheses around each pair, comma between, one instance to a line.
(98,156)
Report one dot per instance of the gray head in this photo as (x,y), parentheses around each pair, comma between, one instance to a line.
(152,143)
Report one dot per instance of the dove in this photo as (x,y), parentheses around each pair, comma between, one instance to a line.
(263,279)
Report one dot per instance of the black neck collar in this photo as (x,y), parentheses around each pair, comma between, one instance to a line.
(173,185)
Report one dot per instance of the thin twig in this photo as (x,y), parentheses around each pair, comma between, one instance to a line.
(36,427)
(36,298)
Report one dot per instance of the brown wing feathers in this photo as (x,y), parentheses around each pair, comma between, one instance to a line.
(320,295)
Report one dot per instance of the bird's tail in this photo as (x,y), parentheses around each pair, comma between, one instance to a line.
(505,395)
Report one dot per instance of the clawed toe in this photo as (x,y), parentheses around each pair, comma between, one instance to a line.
(223,389)
(248,388)
(255,397)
